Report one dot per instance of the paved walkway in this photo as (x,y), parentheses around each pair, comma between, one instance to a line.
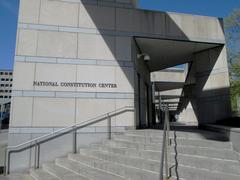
(3,145)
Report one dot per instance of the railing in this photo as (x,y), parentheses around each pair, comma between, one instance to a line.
(165,144)
(35,143)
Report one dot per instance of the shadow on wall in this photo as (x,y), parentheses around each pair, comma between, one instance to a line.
(118,26)
(209,96)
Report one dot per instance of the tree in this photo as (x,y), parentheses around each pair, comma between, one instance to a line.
(232,31)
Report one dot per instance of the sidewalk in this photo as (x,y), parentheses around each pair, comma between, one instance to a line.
(3,145)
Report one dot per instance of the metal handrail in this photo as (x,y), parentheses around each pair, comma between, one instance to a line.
(55,134)
(165,144)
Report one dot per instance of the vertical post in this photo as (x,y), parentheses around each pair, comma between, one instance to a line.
(8,162)
(159,108)
(168,126)
(35,156)
(166,150)
(5,162)
(167,140)
(163,153)
(75,141)
(38,155)
(109,128)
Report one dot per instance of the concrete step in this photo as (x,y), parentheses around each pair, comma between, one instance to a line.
(86,171)
(148,154)
(16,176)
(125,171)
(194,134)
(158,139)
(122,142)
(136,155)
(174,140)
(179,141)
(62,173)
(39,174)
(231,167)
(183,172)
(190,173)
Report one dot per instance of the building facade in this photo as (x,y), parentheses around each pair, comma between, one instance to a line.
(5,93)
(79,59)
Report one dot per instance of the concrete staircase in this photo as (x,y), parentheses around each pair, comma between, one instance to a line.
(194,155)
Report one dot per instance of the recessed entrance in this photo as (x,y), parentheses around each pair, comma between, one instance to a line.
(180,73)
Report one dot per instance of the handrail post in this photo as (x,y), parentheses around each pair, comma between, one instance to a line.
(35,156)
(109,127)
(166,143)
(8,162)
(5,162)
(75,141)
(38,155)
(163,153)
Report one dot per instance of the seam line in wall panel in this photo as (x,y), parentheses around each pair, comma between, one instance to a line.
(39,10)
(75,112)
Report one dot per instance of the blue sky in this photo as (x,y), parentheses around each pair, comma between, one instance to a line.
(9,11)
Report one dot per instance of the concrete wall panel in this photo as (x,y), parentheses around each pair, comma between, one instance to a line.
(59,13)
(96,17)
(21,116)
(23,76)
(55,73)
(125,119)
(91,108)
(125,79)
(212,85)
(160,23)
(124,19)
(132,20)
(173,25)
(220,81)
(92,46)
(29,11)
(220,54)
(27,42)
(123,48)
(53,112)
(203,62)
(93,74)
(57,44)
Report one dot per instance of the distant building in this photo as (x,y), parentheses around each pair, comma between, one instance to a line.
(6,78)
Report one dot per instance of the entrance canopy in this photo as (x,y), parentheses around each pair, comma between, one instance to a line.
(165,53)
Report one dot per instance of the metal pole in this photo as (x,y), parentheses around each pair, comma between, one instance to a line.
(5,162)
(38,155)
(8,162)
(167,142)
(75,141)
(168,126)
(159,108)
(109,128)
(35,156)
(162,155)
(166,155)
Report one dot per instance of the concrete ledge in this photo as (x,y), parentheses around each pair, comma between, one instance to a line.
(233,134)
